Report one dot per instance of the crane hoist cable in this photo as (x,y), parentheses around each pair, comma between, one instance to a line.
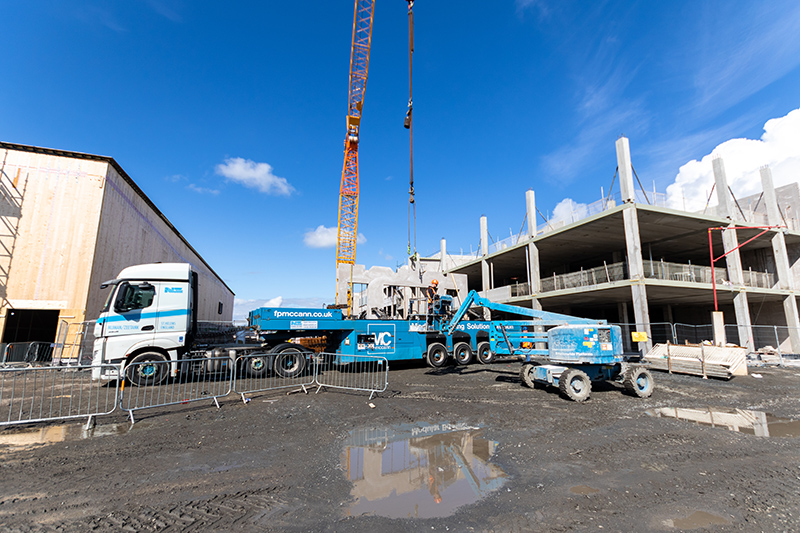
(409,124)
(348,192)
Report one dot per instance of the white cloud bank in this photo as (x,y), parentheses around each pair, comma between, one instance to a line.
(323,237)
(254,175)
(778,147)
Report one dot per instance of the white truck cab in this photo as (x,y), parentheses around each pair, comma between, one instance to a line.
(149,315)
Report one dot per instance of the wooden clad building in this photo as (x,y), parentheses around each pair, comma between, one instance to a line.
(68,222)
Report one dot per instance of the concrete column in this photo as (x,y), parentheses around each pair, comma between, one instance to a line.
(718,324)
(725,209)
(781,255)
(622,310)
(530,210)
(484,236)
(633,244)
(625,170)
(534,275)
(442,255)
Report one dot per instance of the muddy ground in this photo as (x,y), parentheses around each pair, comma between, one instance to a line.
(276,463)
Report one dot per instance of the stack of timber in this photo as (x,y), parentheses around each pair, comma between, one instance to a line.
(704,360)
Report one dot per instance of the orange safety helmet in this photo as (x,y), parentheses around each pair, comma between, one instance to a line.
(435,283)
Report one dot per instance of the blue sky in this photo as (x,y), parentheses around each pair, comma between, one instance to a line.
(231,116)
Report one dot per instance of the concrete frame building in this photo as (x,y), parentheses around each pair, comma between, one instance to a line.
(632,260)
(69,222)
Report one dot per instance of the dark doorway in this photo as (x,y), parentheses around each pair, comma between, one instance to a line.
(29,325)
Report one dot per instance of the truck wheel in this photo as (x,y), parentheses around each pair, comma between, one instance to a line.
(463,353)
(437,354)
(526,375)
(149,368)
(638,381)
(575,385)
(290,360)
(485,355)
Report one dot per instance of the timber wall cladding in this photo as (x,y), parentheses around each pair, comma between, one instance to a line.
(59,216)
(131,233)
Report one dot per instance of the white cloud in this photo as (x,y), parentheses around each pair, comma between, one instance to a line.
(254,175)
(323,237)
(779,147)
(569,211)
(202,190)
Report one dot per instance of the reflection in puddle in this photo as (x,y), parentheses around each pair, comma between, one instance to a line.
(699,519)
(29,438)
(419,470)
(756,423)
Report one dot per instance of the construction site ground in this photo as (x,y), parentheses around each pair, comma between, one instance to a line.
(275,463)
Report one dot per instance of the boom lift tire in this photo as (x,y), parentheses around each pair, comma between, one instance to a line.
(485,355)
(437,354)
(575,385)
(526,375)
(148,368)
(290,360)
(462,352)
(638,381)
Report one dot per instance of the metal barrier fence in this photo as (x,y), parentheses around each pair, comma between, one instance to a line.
(27,352)
(261,372)
(40,394)
(353,372)
(163,383)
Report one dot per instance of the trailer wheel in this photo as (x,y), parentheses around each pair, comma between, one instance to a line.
(437,354)
(485,355)
(256,366)
(463,353)
(290,360)
(575,385)
(638,381)
(526,375)
(149,368)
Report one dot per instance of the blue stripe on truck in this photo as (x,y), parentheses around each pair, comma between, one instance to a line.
(157,314)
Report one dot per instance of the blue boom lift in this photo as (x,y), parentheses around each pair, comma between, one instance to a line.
(578,350)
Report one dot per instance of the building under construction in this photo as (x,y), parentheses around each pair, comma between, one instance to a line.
(69,222)
(631,260)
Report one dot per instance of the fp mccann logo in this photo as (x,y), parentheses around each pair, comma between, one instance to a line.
(384,337)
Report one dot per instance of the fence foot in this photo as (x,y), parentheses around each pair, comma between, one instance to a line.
(371,394)
(319,388)
(216,402)
(244,400)
(132,420)
(90,423)
(305,390)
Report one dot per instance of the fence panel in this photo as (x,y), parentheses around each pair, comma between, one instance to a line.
(39,394)
(162,383)
(353,372)
(259,372)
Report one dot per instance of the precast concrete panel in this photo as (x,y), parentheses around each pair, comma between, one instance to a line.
(133,232)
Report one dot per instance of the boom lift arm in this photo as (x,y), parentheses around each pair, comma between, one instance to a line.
(547,318)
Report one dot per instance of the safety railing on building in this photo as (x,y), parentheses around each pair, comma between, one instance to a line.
(584,278)
(40,394)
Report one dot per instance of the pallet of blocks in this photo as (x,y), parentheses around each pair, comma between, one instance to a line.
(704,360)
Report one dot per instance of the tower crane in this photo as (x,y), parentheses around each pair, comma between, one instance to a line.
(348,191)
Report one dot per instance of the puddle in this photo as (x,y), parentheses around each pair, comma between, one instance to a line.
(756,423)
(699,519)
(419,471)
(583,490)
(31,438)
